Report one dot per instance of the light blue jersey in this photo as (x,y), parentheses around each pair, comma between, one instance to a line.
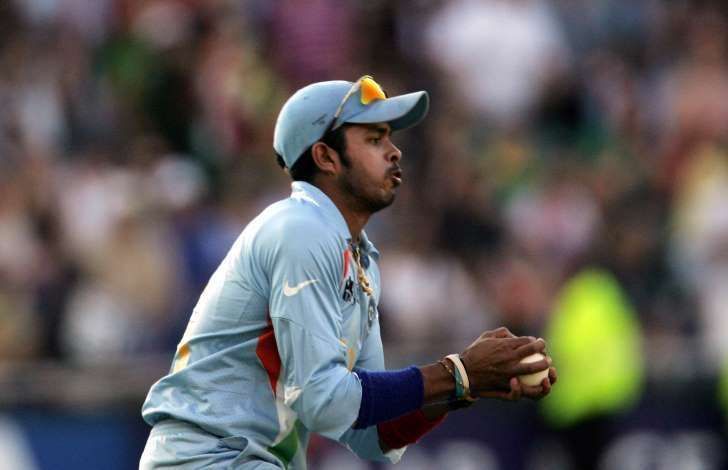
(267,355)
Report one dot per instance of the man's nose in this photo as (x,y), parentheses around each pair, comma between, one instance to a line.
(394,155)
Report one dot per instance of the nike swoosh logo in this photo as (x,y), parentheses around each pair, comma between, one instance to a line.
(288,291)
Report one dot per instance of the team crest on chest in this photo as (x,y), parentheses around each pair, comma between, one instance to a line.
(348,283)
(348,295)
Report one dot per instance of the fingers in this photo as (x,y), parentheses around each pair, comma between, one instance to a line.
(553,376)
(519,390)
(516,389)
(542,390)
(532,347)
(501,332)
(532,367)
(546,386)
(514,392)
(518,341)
(535,392)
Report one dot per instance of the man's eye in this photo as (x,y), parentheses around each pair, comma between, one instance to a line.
(375,140)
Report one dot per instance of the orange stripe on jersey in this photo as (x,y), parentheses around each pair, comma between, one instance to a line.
(267,352)
(182,357)
(347,256)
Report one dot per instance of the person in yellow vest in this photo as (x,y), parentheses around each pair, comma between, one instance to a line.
(595,336)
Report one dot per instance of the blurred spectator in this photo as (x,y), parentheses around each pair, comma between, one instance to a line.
(556,222)
(501,54)
(20,328)
(596,339)
(429,299)
(314,40)
(700,240)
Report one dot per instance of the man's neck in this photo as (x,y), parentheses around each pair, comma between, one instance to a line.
(355,219)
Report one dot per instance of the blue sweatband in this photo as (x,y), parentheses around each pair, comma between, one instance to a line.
(388,394)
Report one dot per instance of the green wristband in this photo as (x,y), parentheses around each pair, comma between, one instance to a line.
(462,384)
(459,389)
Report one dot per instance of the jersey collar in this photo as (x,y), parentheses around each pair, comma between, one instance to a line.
(367,246)
(309,192)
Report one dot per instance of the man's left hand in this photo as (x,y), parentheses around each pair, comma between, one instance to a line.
(519,390)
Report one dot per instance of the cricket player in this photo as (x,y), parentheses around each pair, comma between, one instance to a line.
(285,340)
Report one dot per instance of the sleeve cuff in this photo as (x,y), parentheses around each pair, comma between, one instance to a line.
(395,455)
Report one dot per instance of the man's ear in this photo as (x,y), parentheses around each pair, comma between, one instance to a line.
(325,158)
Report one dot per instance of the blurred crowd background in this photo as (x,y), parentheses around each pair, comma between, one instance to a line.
(570,182)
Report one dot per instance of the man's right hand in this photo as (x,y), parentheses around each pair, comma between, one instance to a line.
(493,362)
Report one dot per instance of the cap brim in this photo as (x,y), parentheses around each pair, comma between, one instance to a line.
(400,112)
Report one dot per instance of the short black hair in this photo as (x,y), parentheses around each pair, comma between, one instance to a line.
(305,168)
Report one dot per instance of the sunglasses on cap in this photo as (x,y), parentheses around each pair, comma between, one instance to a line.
(370,91)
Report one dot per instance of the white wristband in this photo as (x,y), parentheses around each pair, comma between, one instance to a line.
(458,363)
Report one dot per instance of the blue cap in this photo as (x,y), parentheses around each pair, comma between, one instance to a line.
(307,115)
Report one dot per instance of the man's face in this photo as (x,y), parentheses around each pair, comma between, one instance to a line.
(371,171)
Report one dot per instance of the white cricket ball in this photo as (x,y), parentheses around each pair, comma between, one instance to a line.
(537,377)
